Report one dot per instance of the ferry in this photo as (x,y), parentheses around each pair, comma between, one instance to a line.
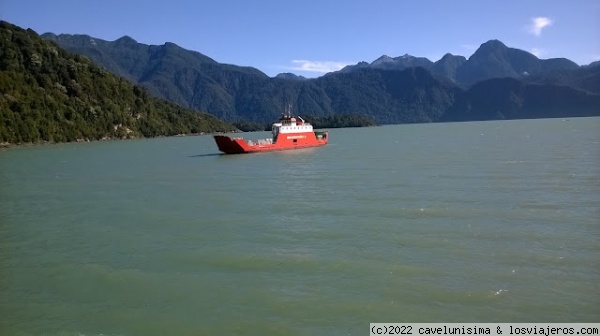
(289,133)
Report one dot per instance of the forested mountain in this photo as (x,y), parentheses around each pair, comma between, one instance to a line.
(416,95)
(584,78)
(168,70)
(492,59)
(288,75)
(413,95)
(495,60)
(448,66)
(194,80)
(401,62)
(391,90)
(509,98)
(48,94)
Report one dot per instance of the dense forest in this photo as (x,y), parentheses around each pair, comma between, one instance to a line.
(403,89)
(50,95)
(331,121)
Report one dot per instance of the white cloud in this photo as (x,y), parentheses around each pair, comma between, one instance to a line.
(537,52)
(317,66)
(537,24)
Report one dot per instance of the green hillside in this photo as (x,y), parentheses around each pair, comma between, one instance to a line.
(50,95)
(404,89)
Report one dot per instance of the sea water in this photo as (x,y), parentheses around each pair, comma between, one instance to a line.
(457,222)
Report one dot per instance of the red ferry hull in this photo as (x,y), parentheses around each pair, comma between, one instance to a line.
(285,141)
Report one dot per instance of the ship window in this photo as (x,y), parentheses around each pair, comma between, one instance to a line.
(295,140)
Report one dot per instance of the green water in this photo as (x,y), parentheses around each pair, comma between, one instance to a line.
(462,222)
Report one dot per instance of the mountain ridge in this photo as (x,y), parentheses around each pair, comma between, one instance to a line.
(50,95)
(240,94)
(449,65)
(493,59)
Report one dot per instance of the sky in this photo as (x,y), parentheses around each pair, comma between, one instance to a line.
(313,37)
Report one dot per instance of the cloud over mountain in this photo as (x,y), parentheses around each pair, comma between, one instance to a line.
(317,66)
(537,24)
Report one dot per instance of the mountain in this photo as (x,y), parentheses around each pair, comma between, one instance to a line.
(495,60)
(401,62)
(392,63)
(236,94)
(404,89)
(492,59)
(168,71)
(412,95)
(585,78)
(193,80)
(48,94)
(448,66)
(593,64)
(289,75)
(509,98)
(359,65)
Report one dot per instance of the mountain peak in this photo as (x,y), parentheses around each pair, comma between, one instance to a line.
(383,59)
(492,44)
(289,75)
(126,40)
(171,46)
(49,36)
(490,48)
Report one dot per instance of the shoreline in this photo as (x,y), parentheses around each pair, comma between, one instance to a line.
(9,145)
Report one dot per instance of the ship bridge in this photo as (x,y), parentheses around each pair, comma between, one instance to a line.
(291,125)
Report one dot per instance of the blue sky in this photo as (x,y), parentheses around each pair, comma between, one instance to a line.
(311,37)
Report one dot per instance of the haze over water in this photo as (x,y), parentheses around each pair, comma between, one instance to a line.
(461,222)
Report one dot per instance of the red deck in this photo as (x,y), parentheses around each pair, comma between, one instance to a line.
(284,141)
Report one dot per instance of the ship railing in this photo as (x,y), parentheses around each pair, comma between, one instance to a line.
(260,142)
